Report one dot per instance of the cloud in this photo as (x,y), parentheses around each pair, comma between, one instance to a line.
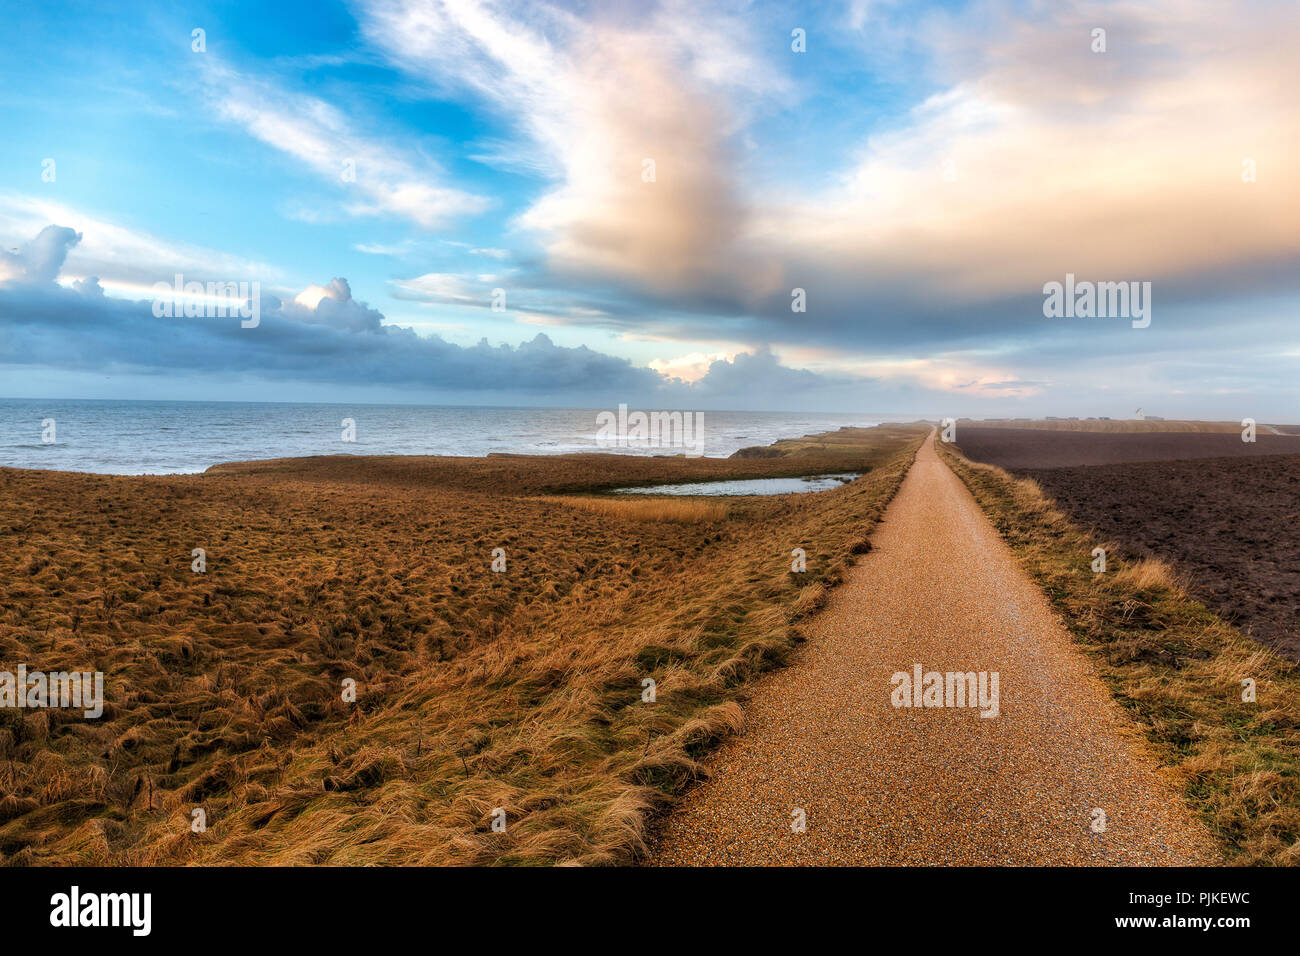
(325,335)
(334,306)
(88,287)
(443,288)
(383,178)
(322,335)
(672,114)
(691,367)
(123,259)
(42,258)
(396,249)
(759,372)
(1043,158)
(1030,156)
(947,161)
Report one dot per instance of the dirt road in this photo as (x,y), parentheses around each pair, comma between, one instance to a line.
(885,784)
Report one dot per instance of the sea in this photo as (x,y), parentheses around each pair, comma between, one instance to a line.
(168,438)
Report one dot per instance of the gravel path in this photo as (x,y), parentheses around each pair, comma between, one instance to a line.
(881,784)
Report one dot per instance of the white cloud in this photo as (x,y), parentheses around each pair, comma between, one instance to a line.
(384,249)
(690,367)
(41,259)
(1125,164)
(379,178)
(441,287)
(125,259)
(682,84)
(1033,157)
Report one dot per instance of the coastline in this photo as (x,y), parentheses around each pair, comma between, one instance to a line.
(169,438)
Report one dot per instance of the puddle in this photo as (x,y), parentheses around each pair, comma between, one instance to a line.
(748,486)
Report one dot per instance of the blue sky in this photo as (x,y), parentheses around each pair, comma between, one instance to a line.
(920,171)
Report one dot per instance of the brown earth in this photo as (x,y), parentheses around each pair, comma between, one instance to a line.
(1231,525)
(1222,511)
(1021,448)
(476,690)
(1112,425)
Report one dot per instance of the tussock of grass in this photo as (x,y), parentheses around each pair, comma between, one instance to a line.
(1147,574)
(1176,667)
(682,510)
(477,690)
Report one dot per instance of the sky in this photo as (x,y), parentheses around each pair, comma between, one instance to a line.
(837,207)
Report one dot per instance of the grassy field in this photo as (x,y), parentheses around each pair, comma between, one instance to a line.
(1173,665)
(685,510)
(476,691)
(838,445)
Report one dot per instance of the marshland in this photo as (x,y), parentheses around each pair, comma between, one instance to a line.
(476,691)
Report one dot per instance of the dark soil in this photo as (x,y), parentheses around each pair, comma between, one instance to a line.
(1019,448)
(1232,525)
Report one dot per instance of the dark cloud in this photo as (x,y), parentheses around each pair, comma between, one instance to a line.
(759,372)
(336,340)
(326,336)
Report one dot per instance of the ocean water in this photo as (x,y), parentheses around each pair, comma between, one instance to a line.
(137,438)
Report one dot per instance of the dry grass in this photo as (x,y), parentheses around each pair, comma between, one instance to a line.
(520,690)
(1176,667)
(681,510)
(834,445)
(1146,574)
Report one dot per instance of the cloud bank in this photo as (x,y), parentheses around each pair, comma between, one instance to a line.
(322,335)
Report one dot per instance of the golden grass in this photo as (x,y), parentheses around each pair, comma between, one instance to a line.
(477,690)
(845,441)
(681,510)
(1173,665)
(1147,574)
